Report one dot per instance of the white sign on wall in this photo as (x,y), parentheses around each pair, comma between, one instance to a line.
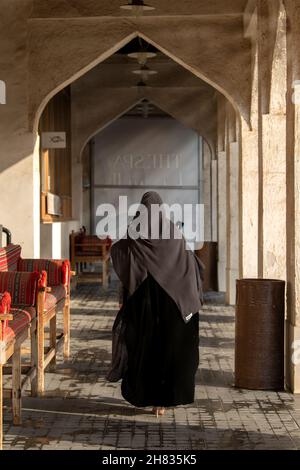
(54,140)
(54,206)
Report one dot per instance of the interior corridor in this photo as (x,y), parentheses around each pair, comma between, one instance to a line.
(100,103)
(80,410)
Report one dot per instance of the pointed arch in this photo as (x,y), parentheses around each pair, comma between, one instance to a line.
(90,42)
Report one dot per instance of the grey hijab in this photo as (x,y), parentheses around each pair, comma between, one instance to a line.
(177,270)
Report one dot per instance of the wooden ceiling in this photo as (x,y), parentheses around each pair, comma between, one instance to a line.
(104,8)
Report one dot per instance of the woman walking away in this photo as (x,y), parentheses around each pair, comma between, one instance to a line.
(156,332)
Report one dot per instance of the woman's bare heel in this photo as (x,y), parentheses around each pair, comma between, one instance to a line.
(158,411)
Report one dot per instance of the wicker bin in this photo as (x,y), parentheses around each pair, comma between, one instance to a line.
(259,348)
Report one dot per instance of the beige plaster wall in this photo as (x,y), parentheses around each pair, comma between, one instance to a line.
(18,170)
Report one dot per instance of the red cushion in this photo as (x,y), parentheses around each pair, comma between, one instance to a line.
(9,257)
(58,271)
(5,302)
(21,286)
(21,320)
(57,293)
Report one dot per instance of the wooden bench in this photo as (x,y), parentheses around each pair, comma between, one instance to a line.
(90,249)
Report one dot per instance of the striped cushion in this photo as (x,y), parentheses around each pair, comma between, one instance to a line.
(22,318)
(21,286)
(9,257)
(52,298)
(58,271)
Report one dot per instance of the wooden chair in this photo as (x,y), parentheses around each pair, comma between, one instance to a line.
(90,249)
(14,330)
(48,299)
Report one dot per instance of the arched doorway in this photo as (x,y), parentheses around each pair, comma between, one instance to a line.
(194,103)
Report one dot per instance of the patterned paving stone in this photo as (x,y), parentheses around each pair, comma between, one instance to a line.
(80,410)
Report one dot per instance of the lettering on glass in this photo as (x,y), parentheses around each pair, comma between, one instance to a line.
(133,169)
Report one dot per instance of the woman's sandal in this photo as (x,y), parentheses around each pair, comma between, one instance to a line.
(159,411)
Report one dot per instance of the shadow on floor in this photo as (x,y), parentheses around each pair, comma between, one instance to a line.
(112,422)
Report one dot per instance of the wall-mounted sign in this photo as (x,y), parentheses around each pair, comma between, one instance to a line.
(54,140)
(2,92)
(54,204)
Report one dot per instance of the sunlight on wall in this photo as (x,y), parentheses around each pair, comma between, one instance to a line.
(56,240)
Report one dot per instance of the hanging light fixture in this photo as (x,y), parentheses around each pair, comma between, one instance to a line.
(141,84)
(145,108)
(137,7)
(140,88)
(145,72)
(142,54)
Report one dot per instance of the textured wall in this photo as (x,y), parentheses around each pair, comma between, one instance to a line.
(86,43)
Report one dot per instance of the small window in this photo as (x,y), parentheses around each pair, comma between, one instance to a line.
(55,154)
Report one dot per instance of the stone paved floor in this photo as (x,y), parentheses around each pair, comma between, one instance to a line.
(82,411)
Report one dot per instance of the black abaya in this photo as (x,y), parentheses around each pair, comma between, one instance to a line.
(163,350)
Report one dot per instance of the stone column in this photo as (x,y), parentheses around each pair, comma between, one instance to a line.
(222,196)
(233,222)
(249,171)
(222,220)
(214,201)
(293,246)
(274,197)
(206,185)
(232,205)
(272,152)
(293,198)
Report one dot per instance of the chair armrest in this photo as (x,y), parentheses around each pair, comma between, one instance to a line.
(6,317)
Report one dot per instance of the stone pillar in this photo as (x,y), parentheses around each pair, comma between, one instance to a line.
(249,173)
(233,222)
(249,202)
(207,195)
(293,249)
(272,153)
(232,204)
(293,198)
(222,196)
(274,197)
(222,220)
(214,201)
